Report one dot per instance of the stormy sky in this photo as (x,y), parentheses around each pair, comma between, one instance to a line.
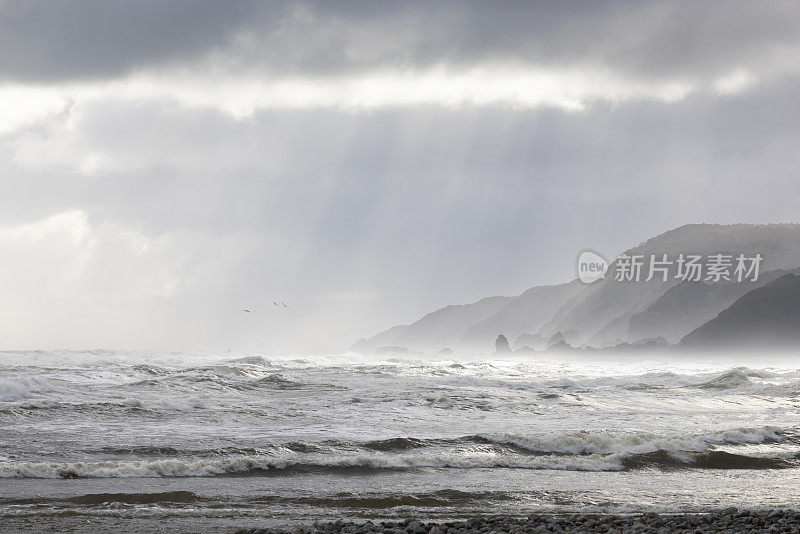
(166,164)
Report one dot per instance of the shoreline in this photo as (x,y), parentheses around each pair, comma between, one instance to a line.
(725,520)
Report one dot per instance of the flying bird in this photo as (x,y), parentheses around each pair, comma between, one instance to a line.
(284,305)
(246,310)
(276,304)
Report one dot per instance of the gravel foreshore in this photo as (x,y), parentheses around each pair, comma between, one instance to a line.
(727,520)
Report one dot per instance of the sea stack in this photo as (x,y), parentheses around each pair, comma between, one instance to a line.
(501,344)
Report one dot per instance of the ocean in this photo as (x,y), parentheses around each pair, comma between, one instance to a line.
(176,442)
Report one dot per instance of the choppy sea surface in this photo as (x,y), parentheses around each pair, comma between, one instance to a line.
(187,442)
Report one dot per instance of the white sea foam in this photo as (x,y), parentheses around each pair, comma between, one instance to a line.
(23,387)
(274,412)
(636,442)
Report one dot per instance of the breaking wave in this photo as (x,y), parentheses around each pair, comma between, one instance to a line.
(17,389)
(582,451)
(583,443)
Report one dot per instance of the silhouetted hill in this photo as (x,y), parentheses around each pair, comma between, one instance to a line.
(602,318)
(436,330)
(689,304)
(609,312)
(382,339)
(767,317)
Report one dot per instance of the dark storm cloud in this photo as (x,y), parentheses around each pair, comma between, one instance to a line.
(42,40)
(61,39)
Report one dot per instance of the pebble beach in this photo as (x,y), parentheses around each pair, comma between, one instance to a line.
(727,520)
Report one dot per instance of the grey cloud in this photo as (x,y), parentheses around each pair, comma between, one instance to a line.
(655,40)
(60,39)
